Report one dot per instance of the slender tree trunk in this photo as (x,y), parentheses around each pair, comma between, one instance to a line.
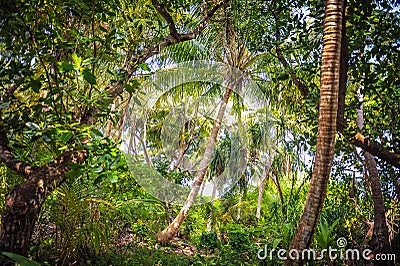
(379,243)
(380,238)
(328,106)
(278,187)
(261,188)
(168,233)
(23,202)
(239,205)
(214,193)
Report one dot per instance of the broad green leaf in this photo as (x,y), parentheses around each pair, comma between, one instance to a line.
(21,260)
(77,61)
(35,85)
(74,173)
(132,87)
(144,67)
(97,170)
(66,137)
(113,178)
(276,242)
(88,76)
(89,61)
(65,67)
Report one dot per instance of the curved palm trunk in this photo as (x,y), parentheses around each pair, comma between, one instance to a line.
(168,233)
(328,106)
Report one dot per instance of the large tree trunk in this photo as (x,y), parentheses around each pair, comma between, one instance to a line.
(23,202)
(328,106)
(168,233)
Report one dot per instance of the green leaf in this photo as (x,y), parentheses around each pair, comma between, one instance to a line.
(65,67)
(97,132)
(276,242)
(97,170)
(137,101)
(4,105)
(99,179)
(77,60)
(46,138)
(35,85)
(113,178)
(88,76)
(89,61)
(20,259)
(74,173)
(131,88)
(32,126)
(144,67)
(66,137)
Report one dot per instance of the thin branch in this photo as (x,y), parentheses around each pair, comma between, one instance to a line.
(300,85)
(171,24)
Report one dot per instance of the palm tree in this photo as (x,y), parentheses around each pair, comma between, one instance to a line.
(328,105)
(232,51)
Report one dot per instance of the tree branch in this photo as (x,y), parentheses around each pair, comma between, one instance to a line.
(302,88)
(376,149)
(150,50)
(53,174)
(300,85)
(171,24)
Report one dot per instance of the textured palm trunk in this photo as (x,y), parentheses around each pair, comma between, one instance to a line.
(328,106)
(23,202)
(168,233)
